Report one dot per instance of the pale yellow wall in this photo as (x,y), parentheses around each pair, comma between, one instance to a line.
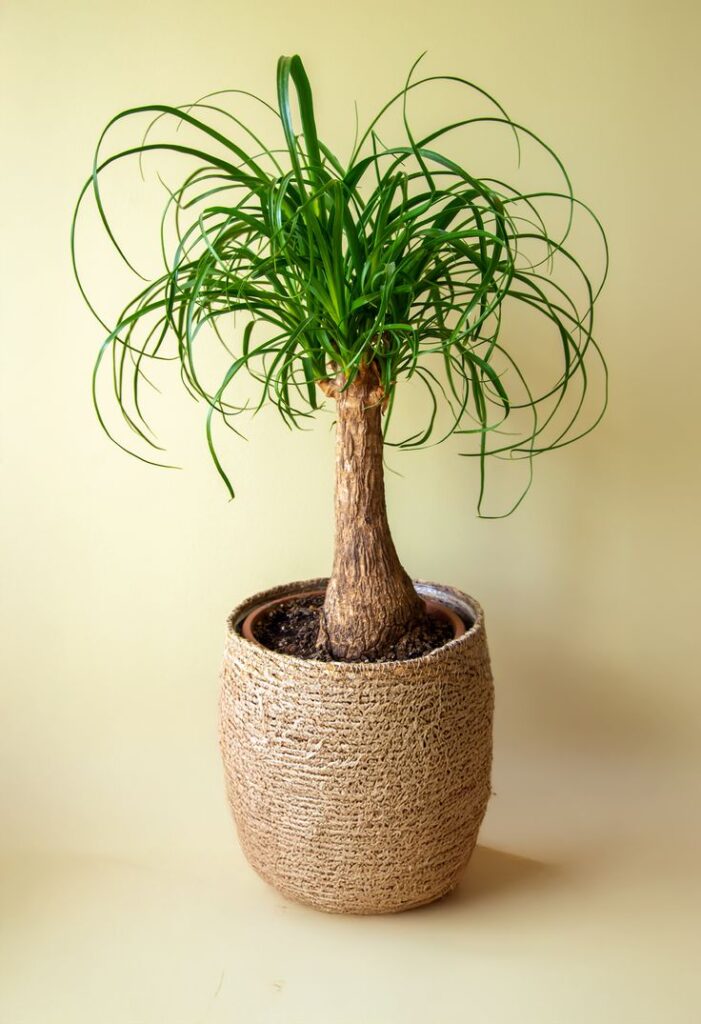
(117,578)
(123,896)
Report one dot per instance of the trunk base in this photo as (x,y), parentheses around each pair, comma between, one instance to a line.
(370,600)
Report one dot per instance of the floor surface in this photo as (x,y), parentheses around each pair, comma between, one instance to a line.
(603,931)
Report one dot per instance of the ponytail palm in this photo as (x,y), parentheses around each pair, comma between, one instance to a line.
(343,280)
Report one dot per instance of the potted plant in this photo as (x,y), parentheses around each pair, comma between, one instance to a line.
(356,712)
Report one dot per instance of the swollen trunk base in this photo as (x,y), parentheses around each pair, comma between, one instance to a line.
(370,600)
(358,788)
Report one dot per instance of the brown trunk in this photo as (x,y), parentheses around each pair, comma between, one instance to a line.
(370,600)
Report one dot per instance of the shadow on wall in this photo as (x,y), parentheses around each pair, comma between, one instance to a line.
(581,702)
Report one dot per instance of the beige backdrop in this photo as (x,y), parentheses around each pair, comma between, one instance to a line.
(116,578)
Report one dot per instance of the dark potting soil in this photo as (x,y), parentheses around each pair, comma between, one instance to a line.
(293,627)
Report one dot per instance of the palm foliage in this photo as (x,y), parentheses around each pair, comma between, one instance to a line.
(398,255)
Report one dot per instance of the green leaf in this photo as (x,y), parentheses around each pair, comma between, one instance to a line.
(291,265)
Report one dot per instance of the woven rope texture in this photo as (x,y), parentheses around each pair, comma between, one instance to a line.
(358,788)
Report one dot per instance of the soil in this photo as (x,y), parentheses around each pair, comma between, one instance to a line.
(292,628)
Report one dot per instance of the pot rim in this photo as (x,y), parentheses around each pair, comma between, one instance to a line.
(433,608)
(455,600)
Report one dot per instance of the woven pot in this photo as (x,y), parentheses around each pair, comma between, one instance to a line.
(358,788)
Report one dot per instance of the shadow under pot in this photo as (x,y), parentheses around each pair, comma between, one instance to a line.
(358,787)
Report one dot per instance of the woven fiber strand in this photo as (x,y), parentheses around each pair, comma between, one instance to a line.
(358,787)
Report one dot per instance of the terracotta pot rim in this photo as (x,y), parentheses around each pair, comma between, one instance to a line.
(448,601)
(433,608)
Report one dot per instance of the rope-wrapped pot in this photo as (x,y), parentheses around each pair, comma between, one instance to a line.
(358,787)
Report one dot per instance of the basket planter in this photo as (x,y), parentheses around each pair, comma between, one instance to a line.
(358,787)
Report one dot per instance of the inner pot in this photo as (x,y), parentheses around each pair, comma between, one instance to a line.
(247,625)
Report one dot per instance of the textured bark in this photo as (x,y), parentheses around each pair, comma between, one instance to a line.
(370,600)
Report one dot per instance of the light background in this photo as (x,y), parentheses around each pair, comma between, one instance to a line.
(125,899)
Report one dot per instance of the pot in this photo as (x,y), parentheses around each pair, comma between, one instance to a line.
(358,787)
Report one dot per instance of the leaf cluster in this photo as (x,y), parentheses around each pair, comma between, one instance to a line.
(398,256)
